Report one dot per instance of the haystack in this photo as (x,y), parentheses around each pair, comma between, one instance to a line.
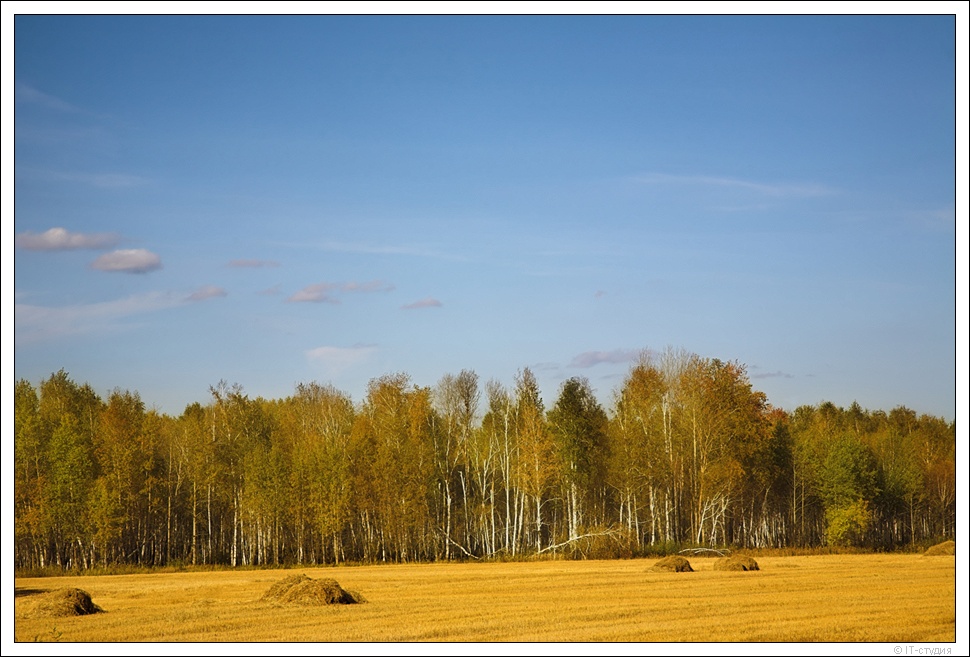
(61,603)
(302,590)
(946,548)
(673,564)
(737,562)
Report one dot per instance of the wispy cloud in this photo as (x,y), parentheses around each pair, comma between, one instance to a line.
(423,303)
(761,188)
(591,358)
(773,375)
(35,324)
(253,263)
(24,93)
(386,249)
(103,180)
(207,292)
(936,220)
(337,359)
(130,261)
(323,292)
(546,367)
(61,239)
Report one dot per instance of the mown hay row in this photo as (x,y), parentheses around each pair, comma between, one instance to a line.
(673,564)
(737,562)
(944,549)
(302,590)
(60,603)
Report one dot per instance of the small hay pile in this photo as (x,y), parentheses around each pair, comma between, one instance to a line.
(61,603)
(737,562)
(673,564)
(302,590)
(944,549)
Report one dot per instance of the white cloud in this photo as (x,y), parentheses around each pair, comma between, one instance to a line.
(591,358)
(423,303)
(61,239)
(132,261)
(34,324)
(337,359)
(207,292)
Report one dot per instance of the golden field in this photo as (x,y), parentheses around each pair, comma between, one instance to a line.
(901,598)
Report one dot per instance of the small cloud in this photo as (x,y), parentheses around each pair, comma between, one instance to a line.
(600,294)
(320,292)
(271,291)
(61,239)
(591,358)
(773,375)
(253,263)
(423,303)
(132,261)
(369,286)
(337,359)
(317,293)
(207,292)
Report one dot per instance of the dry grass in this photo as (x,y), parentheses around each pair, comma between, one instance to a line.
(848,598)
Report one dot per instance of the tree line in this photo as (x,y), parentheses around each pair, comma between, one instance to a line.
(687,454)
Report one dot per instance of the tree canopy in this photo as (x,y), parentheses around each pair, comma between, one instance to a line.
(687,454)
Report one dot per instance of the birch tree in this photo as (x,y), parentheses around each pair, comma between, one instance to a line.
(534,470)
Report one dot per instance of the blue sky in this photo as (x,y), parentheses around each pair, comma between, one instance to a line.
(269,200)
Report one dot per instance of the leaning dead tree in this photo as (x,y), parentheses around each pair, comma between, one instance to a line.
(462,548)
(701,550)
(612,533)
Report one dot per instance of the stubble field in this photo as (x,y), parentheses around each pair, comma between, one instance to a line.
(825,598)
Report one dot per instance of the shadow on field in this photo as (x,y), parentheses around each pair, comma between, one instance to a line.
(20,593)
